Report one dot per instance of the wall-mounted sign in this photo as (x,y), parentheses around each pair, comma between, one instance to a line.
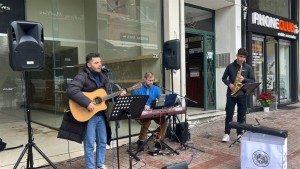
(12,10)
(134,38)
(269,24)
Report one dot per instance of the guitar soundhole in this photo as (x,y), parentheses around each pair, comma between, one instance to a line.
(98,100)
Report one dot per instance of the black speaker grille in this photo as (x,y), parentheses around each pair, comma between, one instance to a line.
(26,47)
(171,54)
(28,55)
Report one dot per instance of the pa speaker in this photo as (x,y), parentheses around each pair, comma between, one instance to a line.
(181,165)
(26,46)
(171,54)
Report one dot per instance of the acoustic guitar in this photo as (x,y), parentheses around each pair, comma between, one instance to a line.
(98,98)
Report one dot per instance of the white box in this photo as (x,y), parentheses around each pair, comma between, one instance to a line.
(263,151)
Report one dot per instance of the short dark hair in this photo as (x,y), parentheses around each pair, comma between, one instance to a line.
(89,57)
(242,51)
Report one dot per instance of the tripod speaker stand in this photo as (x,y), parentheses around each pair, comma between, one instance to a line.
(26,53)
(30,143)
(184,143)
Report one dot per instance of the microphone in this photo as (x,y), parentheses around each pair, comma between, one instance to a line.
(104,69)
(174,93)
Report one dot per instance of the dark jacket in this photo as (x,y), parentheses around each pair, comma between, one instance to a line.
(231,72)
(82,82)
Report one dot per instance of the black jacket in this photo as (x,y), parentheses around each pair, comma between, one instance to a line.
(231,72)
(83,82)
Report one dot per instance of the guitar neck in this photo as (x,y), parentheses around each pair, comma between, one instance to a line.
(115,94)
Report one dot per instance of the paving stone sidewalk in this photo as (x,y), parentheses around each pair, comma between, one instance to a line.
(206,137)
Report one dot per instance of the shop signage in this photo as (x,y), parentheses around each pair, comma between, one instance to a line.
(126,44)
(134,38)
(60,16)
(269,24)
(11,10)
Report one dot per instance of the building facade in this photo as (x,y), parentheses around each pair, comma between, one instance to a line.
(130,35)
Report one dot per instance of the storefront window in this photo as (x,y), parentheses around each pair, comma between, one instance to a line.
(271,80)
(257,64)
(11,82)
(276,7)
(126,33)
(199,19)
(129,38)
(284,71)
(11,87)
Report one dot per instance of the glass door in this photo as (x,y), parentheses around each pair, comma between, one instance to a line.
(209,75)
(284,71)
(257,64)
(200,65)
(271,80)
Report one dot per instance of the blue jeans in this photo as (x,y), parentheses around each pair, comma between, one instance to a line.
(95,131)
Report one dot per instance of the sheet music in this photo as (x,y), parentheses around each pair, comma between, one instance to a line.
(246,89)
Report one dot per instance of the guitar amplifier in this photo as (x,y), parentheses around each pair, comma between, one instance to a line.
(181,165)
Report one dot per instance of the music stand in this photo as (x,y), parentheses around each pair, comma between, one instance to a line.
(128,107)
(246,89)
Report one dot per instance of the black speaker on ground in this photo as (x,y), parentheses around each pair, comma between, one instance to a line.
(171,54)
(26,46)
(182,132)
(181,165)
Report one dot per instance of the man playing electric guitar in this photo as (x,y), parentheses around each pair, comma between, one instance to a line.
(97,128)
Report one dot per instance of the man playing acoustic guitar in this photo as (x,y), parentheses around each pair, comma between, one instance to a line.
(97,129)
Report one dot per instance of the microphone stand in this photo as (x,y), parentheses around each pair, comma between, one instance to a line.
(108,74)
(245,90)
(182,97)
(183,144)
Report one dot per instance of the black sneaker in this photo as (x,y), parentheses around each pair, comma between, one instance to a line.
(140,145)
(160,145)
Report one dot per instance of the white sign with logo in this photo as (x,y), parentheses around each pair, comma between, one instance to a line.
(263,151)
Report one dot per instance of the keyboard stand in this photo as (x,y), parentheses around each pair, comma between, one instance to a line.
(161,141)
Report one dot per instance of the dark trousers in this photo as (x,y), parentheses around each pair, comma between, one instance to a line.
(241,111)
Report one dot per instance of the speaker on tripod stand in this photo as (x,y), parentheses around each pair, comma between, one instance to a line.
(171,60)
(171,54)
(26,53)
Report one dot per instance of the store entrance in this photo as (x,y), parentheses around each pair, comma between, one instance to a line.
(278,71)
(194,69)
(271,67)
(200,70)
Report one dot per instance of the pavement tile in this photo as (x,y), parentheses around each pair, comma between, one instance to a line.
(206,137)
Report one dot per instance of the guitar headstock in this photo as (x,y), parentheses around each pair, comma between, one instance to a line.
(135,86)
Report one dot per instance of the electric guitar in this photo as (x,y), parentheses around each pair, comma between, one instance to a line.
(98,98)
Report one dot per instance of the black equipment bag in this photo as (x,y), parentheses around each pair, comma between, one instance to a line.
(2,145)
(182,132)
